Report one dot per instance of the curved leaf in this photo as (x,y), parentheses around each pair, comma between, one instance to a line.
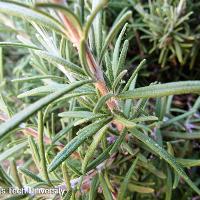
(165,155)
(114,30)
(102,102)
(92,147)
(17,44)
(28,13)
(160,90)
(134,74)
(117,49)
(55,60)
(82,135)
(27,112)
(71,17)
(92,17)
(124,185)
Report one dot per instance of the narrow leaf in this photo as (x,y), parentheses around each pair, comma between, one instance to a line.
(75,114)
(14,44)
(82,55)
(114,30)
(101,158)
(118,80)
(106,191)
(92,17)
(28,13)
(82,135)
(13,150)
(93,147)
(43,163)
(67,12)
(181,135)
(55,60)
(101,102)
(27,112)
(166,156)
(134,74)
(122,57)
(118,141)
(160,90)
(116,50)
(124,184)
(31,175)
(15,175)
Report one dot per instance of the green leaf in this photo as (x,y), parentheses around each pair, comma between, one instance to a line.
(55,60)
(34,150)
(90,118)
(134,74)
(117,49)
(140,189)
(5,177)
(82,135)
(114,30)
(82,55)
(124,121)
(91,149)
(92,16)
(151,168)
(75,114)
(62,133)
(27,112)
(42,90)
(66,176)
(144,119)
(15,175)
(14,44)
(98,28)
(178,118)
(13,150)
(188,162)
(67,12)
(37,78)
(93,188)
(68,195)
(28,13)
(178,51)
(101,102)
(118,80)
(124,184)
(128,104)
(181,135)
(72,166)
(160,90)
(118,141)
(43,163)
(168,195)
(122,57)
(165,155)
(102,157)
(106,191)
(30,174)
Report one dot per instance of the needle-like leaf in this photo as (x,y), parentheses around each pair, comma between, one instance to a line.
(27,112)
(82,135)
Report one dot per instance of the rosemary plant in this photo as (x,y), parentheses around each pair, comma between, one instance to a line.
(96,135)
(166,26)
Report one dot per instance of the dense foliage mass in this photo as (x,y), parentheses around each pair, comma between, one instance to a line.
(100,99)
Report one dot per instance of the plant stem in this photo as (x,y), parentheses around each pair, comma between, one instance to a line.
(100,84)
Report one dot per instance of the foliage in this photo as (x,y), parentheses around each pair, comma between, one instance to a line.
(72,120)
(166,27)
